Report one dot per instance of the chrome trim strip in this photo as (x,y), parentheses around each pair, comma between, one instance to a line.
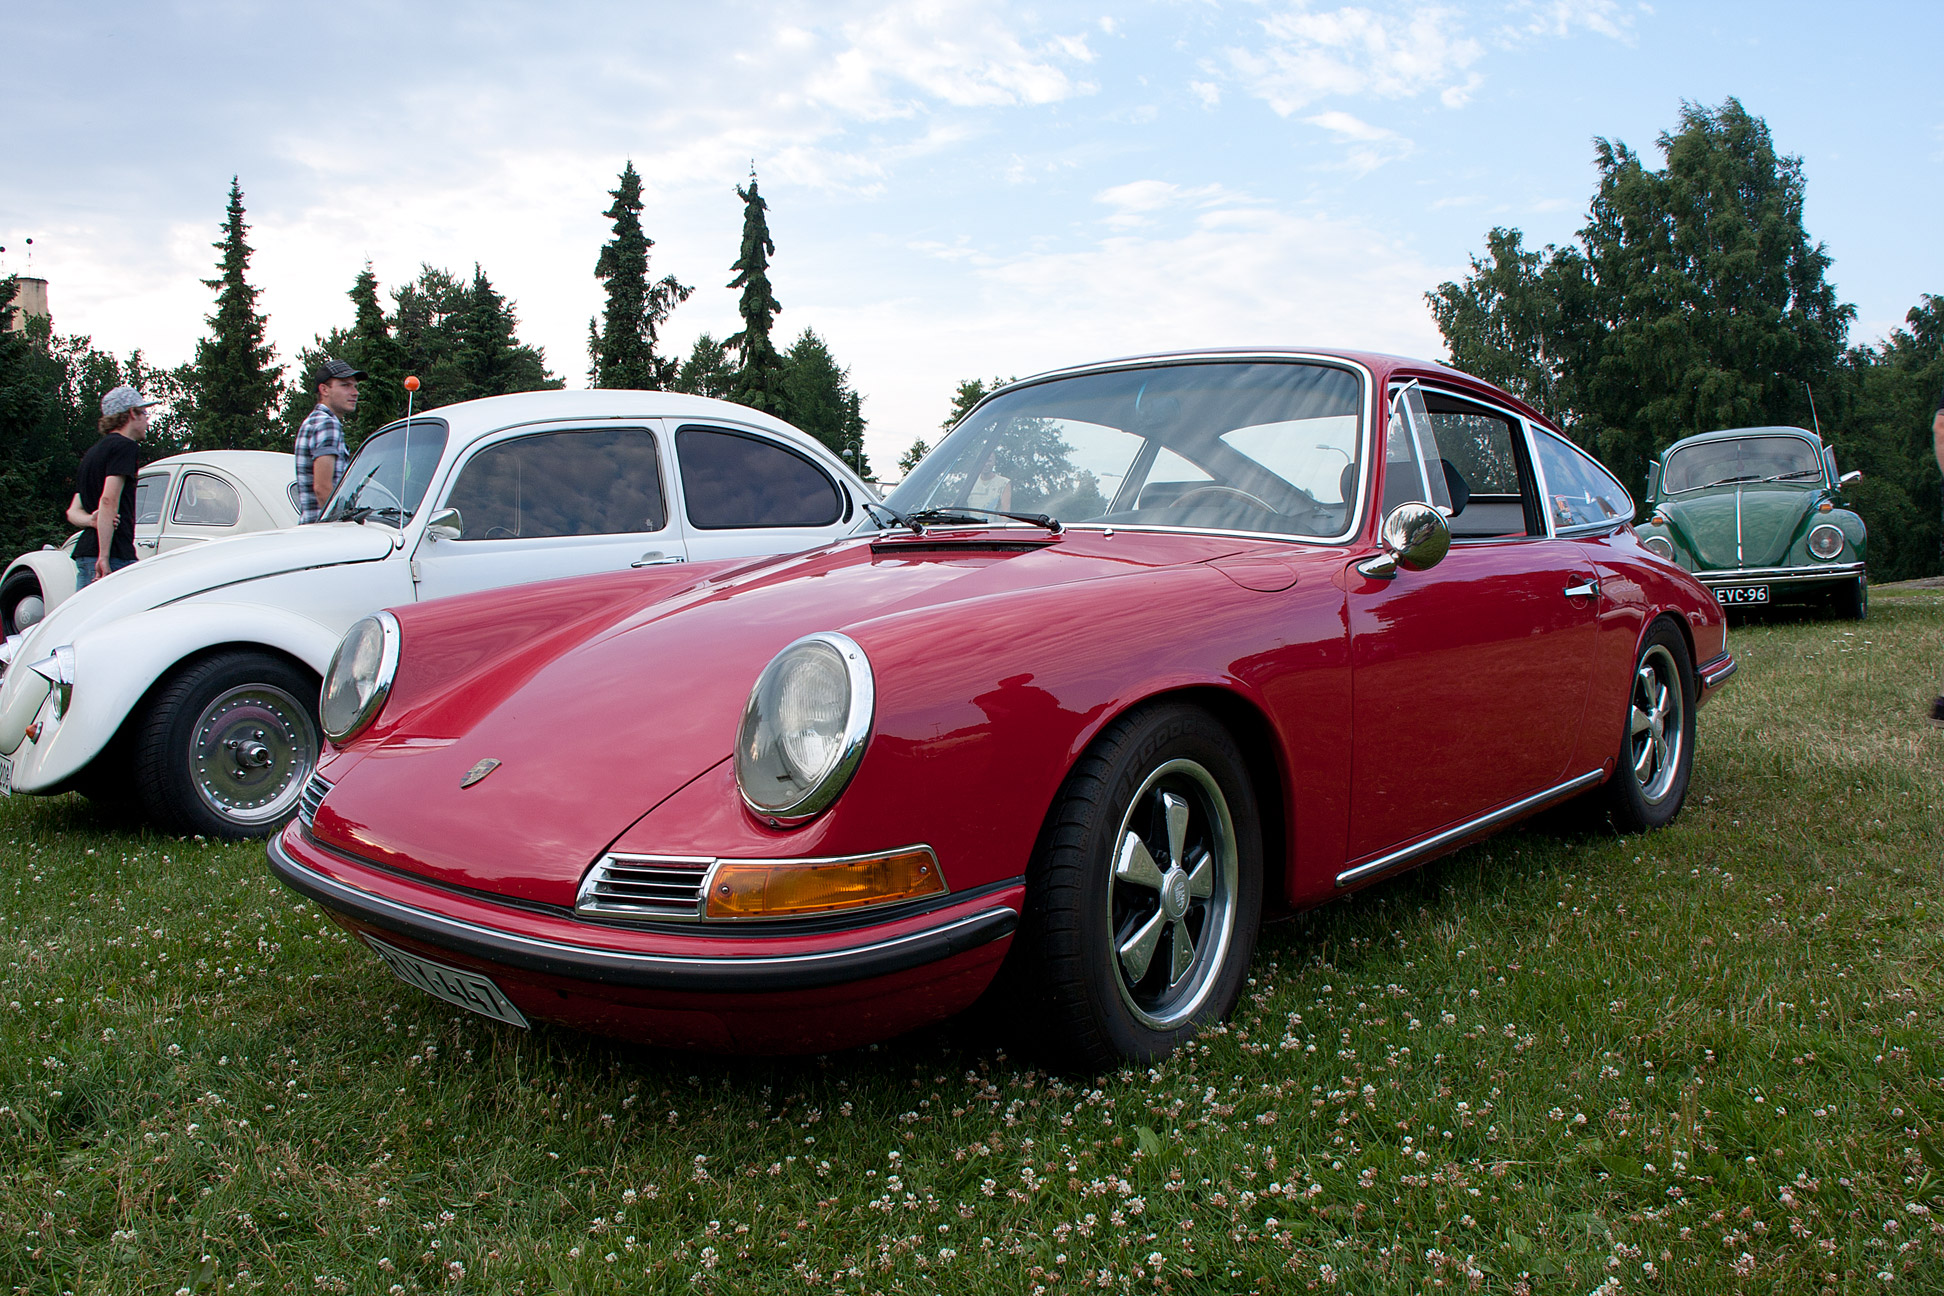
(746,974)
(1781,575)
(1740,558)
(1716,670)
(1431,845)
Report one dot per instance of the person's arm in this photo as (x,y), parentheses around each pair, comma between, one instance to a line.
(78,516)
(323,477)
(107,513)
(1937,431)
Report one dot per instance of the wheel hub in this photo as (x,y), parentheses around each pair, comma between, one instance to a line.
(1174,894)
(252,750)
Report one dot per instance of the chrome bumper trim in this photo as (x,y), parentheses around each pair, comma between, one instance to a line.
(1781,575)
(742,974)
(1714,672)
(1433,845)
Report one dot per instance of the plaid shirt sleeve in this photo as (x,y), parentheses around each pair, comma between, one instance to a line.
(321,434)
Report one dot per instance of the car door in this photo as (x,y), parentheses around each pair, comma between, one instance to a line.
(204,506)
(151,495)
(562,501)
(745,493)
(1469,679)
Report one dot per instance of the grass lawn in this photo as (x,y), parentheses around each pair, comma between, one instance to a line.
(1705,1060)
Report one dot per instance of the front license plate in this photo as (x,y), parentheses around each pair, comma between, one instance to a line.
(454,985)
(6,776)
(1737,595)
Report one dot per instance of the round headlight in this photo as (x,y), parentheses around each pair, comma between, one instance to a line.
(804,727)
(360,677)
(1826,541)
(1659,546)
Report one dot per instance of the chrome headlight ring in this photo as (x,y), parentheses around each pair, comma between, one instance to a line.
(804,728)
(360,676)
(1826,541)
(1659,546)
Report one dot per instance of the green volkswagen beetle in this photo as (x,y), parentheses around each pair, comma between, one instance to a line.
(1757,515)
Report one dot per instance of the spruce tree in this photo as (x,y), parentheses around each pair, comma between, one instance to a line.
(368,345)
(621,344)
(759,369)
(494,361)
(234,384)
(36,461)
(708,370)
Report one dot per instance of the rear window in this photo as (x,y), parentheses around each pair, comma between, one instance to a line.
(736,480)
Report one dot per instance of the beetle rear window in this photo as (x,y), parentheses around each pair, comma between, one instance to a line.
(206,501)
(733,479)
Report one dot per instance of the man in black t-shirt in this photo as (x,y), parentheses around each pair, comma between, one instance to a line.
(107,486)
(1937,432)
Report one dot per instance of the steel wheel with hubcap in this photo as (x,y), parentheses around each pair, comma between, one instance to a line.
(22,603)
(227,744)
(1143,901)
(1657,750)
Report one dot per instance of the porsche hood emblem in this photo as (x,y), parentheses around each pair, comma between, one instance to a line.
(478,772)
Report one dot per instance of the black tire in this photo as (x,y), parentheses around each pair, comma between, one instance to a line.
(1115,968)
(21,587)
(1852,602)
(1656,762)
(226,744)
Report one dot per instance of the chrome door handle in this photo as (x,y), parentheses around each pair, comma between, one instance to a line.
(656,558)
(1591,587)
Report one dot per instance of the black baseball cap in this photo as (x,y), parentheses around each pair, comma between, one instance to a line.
(332,369)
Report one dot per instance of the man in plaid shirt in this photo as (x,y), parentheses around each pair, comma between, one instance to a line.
(321,454)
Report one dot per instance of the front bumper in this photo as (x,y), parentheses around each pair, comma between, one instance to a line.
(1827,573)
(496,937)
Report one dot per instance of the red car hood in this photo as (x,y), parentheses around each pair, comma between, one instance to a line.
(601,697)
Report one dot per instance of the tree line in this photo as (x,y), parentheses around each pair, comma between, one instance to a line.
(1694,299)
(457,333)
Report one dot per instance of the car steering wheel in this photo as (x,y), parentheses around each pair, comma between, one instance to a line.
(1236,491)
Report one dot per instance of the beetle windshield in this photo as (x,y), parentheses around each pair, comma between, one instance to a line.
(388,476)
(1223,445)
(1745,459)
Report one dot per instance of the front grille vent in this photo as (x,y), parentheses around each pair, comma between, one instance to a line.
(313,796)
(644,886)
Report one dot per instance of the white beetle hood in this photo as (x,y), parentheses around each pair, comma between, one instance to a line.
(183,573)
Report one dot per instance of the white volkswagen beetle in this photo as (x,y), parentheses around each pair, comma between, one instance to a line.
(180,501)
(189,686)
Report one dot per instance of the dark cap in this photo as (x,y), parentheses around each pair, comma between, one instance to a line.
(331,369)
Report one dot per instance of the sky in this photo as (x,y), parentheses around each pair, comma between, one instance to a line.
(956,189)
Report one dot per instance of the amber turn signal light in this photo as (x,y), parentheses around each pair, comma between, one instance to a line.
(793,888)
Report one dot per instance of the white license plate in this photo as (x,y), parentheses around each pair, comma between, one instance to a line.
(1738,595)
(6,776)
(454,985)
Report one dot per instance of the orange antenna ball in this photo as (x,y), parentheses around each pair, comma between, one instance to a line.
(411,382)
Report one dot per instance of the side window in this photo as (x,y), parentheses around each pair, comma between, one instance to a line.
(735,480)
(295,496)
(1484,470)
(206,501)
(150,488)
(1579,493)
(605,482)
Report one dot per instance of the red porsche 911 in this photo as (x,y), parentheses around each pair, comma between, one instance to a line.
(1143,654)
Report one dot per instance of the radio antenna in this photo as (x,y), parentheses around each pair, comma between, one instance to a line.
(1812,408)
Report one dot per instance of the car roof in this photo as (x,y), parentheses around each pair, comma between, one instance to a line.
(1736,434)
(489,413)
(1382,364)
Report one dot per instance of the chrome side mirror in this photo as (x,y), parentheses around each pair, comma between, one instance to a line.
(446,524)
(1415,537)
(1849,477)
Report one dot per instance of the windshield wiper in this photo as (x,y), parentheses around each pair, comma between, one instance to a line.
(383,513)
(1730,481)
(1052,524)
(1800,472)
(874,508)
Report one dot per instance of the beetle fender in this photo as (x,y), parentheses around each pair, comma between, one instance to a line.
(115,665)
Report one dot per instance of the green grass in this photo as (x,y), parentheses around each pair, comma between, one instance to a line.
(1705,1060)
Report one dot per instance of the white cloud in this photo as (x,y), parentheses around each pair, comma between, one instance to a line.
(1560,18)
(1369,147)
(1208,92)
(1353,52)
(1136,201)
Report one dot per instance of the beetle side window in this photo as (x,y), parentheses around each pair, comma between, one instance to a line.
(149,490)
(604,482)
(1579,493)
(206,501)
(732,480)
